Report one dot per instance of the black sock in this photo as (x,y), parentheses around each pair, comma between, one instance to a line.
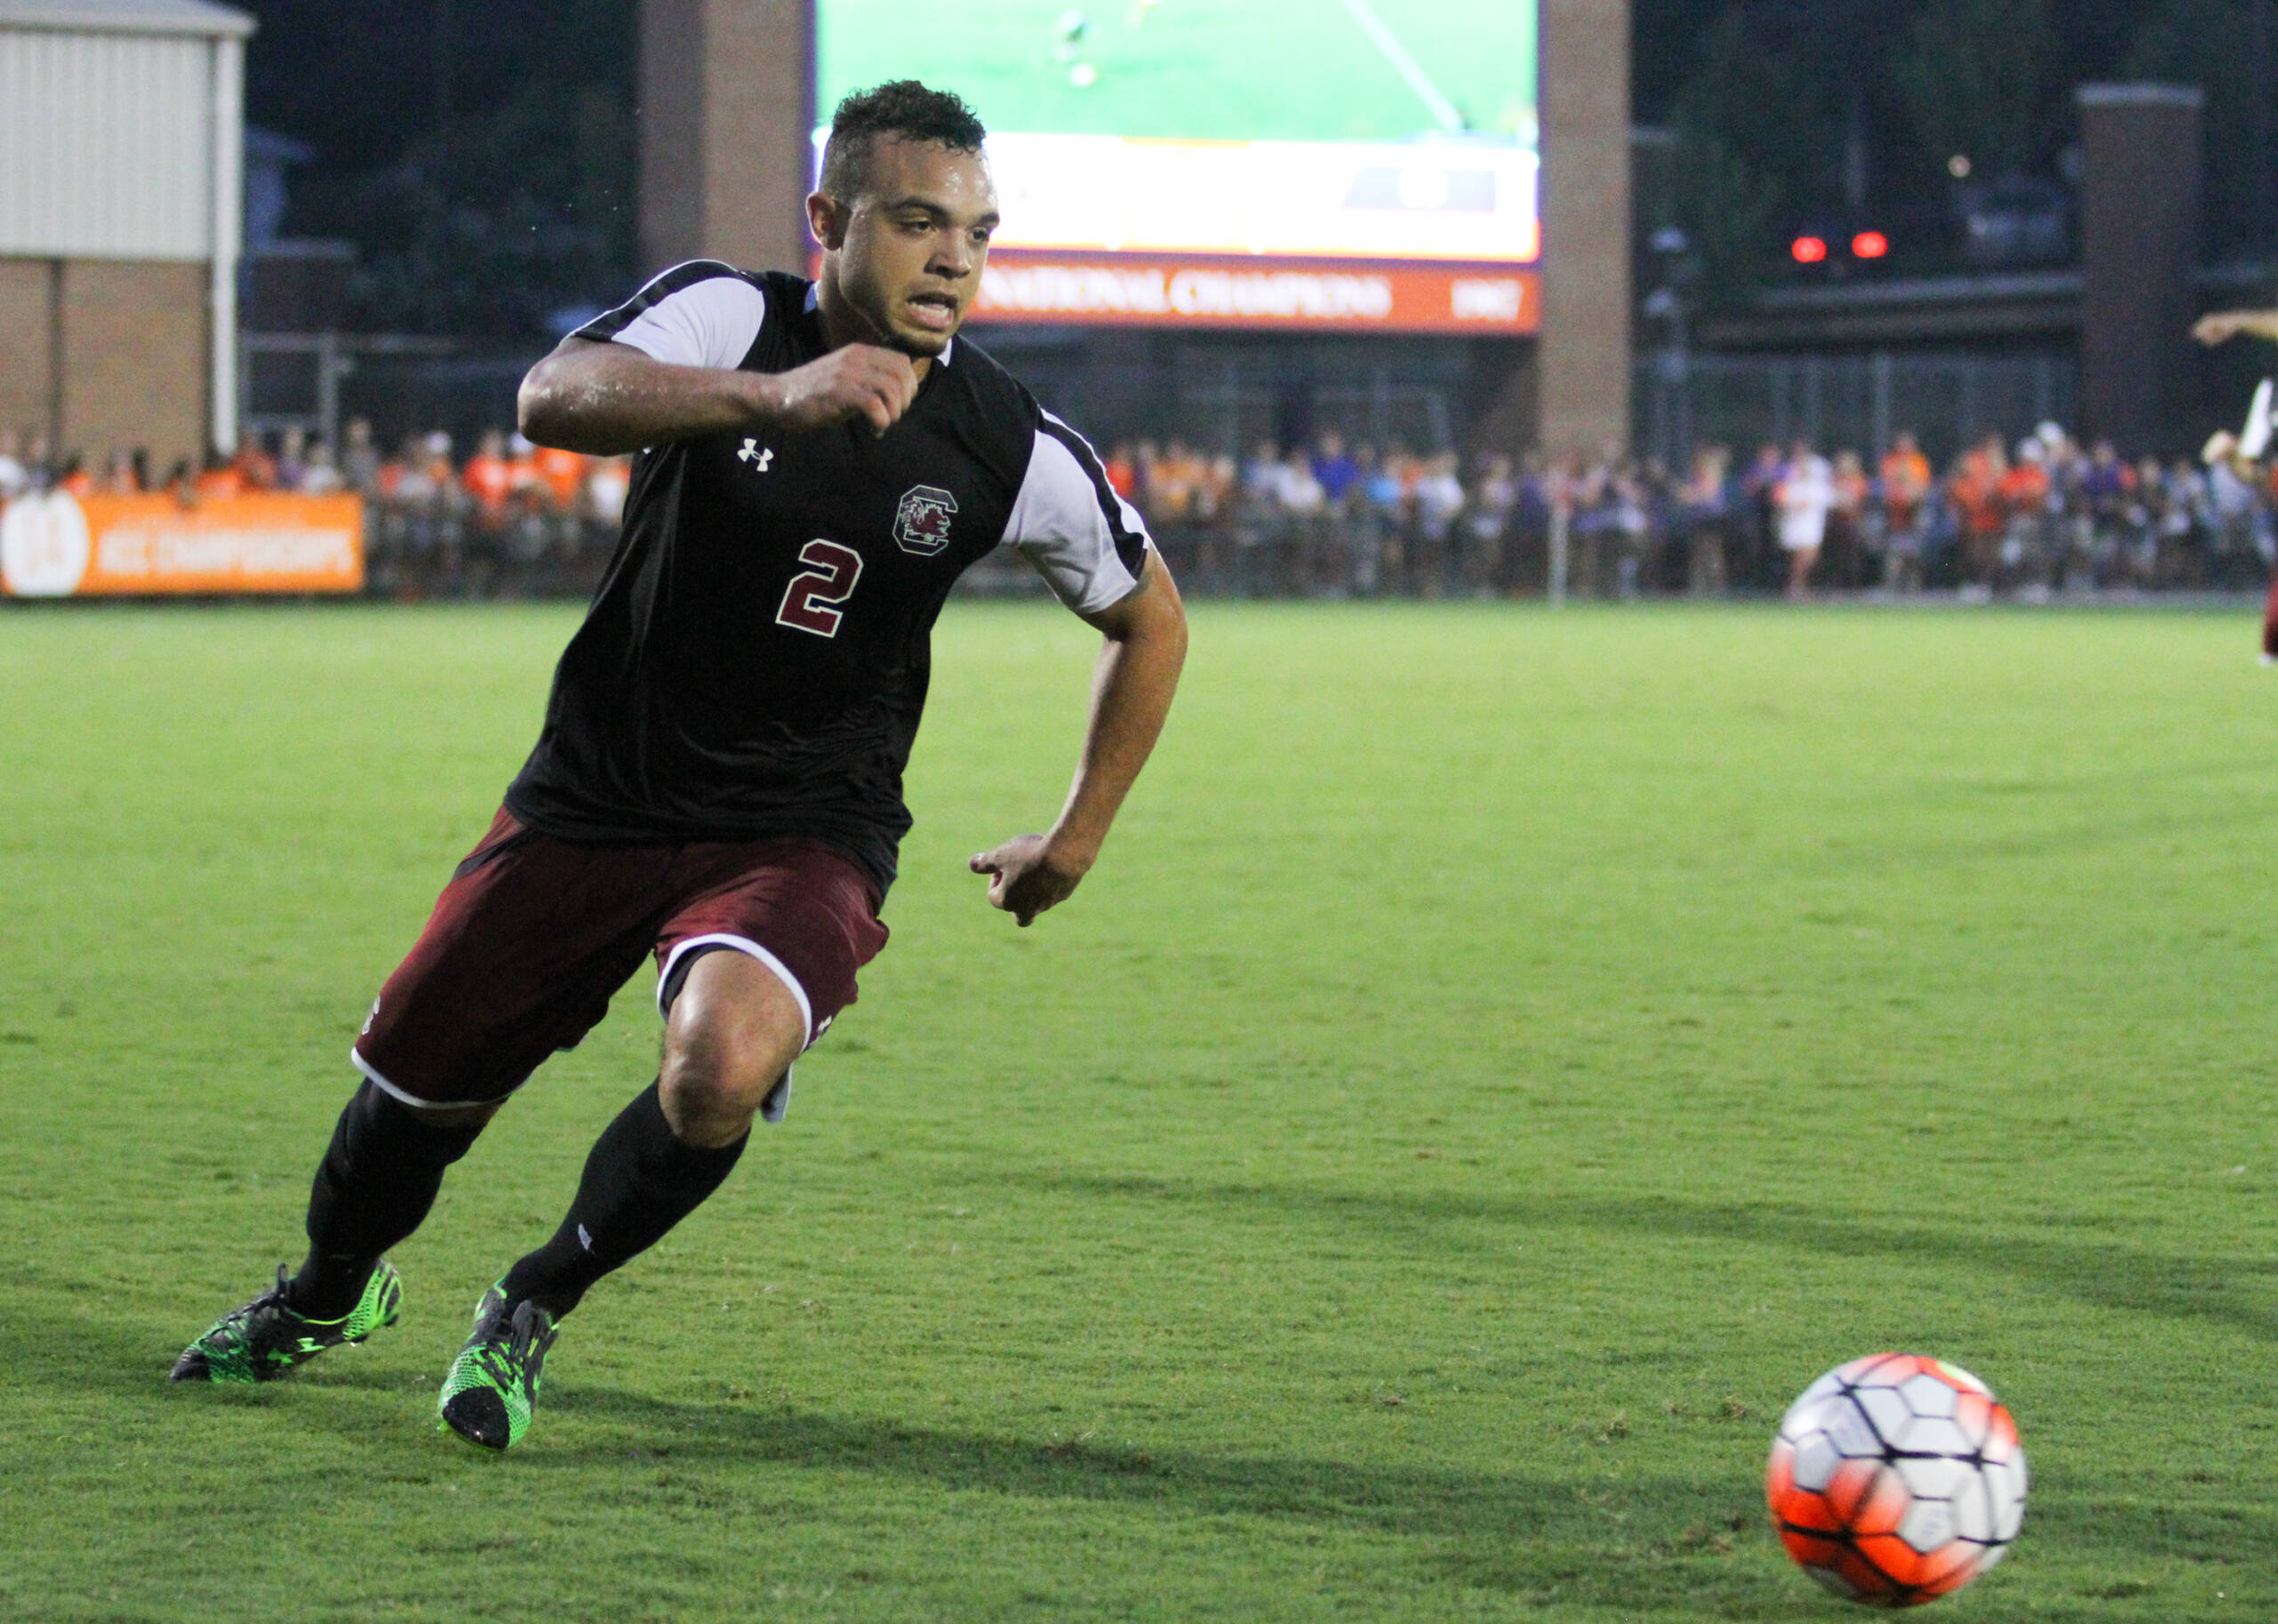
(376,1182)
(639,1182)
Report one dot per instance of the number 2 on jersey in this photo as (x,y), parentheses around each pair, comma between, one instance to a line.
(810,602)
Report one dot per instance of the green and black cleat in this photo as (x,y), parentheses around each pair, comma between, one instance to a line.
(265,1338)
(492,1387)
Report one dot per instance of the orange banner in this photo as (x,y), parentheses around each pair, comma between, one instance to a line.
(56,546)
(1151,290)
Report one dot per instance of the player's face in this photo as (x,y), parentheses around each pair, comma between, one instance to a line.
(909,251)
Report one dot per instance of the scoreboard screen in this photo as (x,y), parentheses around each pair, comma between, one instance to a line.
(1288,130)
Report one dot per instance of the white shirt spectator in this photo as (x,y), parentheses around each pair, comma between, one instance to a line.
(1439,498)
(1297,490)
(2234,497)
(320,477)
(605,489)
(1806,493)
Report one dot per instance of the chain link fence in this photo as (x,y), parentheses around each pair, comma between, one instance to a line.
(1847,401)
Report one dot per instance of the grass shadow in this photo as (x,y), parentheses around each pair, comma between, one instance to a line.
(59,1349)
(1643,1543)
(2168,1285)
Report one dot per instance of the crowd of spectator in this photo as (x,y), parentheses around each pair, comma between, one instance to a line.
(2044,516)
(513,520)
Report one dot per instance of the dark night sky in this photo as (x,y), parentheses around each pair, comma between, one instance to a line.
(2092,34)
(358,78)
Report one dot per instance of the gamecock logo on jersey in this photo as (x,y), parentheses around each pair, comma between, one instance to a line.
(922,523)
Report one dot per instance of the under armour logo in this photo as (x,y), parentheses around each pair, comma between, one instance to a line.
(755,455)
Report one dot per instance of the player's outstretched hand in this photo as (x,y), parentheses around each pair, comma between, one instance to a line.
(2220,327)
(2224,325)
(1025,878)
(856,381)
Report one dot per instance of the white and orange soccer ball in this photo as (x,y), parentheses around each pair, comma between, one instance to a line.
(1896,1479)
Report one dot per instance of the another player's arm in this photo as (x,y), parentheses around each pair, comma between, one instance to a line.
(1132,686)
(2224,325)
(603,399)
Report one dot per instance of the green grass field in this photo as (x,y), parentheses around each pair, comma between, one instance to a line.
(1213,69)
(1503,1056)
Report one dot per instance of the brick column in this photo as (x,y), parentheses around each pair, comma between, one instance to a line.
(1586,296)
(727,107)
(31,396)
(136,338)
(2139,239)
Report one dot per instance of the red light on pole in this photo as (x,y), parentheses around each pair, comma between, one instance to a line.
(1808,250)
(1870,244)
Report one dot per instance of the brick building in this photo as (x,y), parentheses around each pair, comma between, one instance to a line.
(121,132)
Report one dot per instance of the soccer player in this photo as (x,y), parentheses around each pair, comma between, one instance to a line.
(718,781)
(2220,329)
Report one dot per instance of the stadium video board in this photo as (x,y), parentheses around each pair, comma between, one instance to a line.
(1310,163)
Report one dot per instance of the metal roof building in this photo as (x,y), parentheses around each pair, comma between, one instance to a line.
(121,178)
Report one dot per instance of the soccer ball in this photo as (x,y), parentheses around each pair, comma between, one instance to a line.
(1896,1479)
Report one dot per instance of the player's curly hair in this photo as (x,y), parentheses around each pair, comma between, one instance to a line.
(899,107)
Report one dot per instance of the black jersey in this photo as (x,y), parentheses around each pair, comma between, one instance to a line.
(754,663)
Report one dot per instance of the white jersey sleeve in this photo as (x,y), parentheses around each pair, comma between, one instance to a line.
(1088,543)
(701,314)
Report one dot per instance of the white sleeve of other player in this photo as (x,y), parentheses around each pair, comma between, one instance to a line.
(1087,542)
(693,315)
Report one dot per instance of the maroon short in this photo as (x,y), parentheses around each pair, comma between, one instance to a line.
(534,935)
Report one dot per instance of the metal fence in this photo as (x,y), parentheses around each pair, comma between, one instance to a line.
(315,382)
(1847,401)
(1224,394)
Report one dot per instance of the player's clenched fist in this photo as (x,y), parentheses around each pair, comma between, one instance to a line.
(1025,878)
(857,380)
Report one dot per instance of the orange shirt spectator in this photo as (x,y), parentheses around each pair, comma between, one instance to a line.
(489,478)
(2024,489)
(256,469)
(1976,489)
(1172,480)
(1122,473)
(1906,482)
(561,472)
(76,482)
(220,481)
